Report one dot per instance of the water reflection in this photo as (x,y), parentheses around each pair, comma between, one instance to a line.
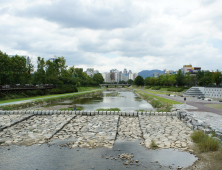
(125,101)
(54,157)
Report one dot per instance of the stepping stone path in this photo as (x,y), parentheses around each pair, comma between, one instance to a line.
(166,131)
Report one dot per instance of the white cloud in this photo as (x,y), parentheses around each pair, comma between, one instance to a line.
(137,34)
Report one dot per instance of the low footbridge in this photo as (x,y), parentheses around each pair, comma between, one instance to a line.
(115,85)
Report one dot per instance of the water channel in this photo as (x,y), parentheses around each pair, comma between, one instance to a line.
(55,157)
(124,100)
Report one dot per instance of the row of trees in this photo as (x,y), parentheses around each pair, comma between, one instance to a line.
(14,70)
(202,78)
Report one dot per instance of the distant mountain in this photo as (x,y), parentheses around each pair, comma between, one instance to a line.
(149,73)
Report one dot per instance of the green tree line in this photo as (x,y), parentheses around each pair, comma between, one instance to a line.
(13,70)
(202,78)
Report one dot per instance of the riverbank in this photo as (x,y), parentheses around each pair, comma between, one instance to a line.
(16,104)
(161,104)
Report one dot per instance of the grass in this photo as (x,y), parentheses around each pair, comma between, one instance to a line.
(205,142)
(110,109)
(155,92)
(50,98)
(112,94)
(47,96)
(141,110)
(71,108)
(164,100)
(215,106)
(155,102)
(153,144)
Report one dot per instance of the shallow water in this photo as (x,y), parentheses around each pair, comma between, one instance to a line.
(55,157)
(125,101)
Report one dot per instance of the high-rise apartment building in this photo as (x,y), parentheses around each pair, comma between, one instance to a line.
(125,71)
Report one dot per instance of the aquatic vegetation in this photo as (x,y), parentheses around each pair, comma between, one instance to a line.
(110,109)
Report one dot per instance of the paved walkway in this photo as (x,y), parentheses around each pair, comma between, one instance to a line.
(26,101)
(197,103)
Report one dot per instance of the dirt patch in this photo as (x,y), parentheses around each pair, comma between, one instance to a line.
(206,160)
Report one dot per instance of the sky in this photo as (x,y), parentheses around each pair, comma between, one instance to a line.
(112,34)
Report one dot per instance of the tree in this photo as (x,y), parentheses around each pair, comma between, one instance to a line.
(180,78)
(98,78)
(130,81)
(216,77)
(172,79)
(147,81)
(40,74)
(139,81)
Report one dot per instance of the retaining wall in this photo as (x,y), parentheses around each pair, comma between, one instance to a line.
(196,124)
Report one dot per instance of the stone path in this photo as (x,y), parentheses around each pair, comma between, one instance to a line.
(166,131)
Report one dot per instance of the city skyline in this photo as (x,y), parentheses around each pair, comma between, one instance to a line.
(143,35)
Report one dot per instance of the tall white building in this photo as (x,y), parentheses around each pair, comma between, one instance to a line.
(132,76)
(125,71)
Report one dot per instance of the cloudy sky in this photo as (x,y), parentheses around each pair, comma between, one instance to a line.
(106,34)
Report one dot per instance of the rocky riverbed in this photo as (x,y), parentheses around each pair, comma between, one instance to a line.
(165,131)
(96,131)
(36,129)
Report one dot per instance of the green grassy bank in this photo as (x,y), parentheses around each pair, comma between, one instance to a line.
(38,100)
(160,103)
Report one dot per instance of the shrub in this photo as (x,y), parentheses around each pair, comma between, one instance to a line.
(56,91)
(148,87)
(156,104)
(39,92)
(156,88)
(175,89)
(23,94)
(2,95)
(205,143)
(209,144)
(197,136)
(28,92)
